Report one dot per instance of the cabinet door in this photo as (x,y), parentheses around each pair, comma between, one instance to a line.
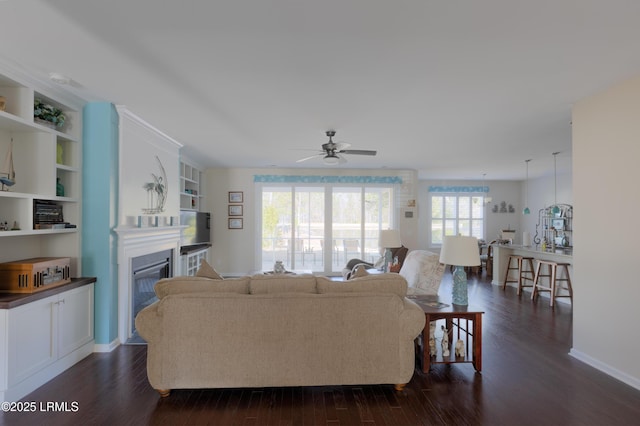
(75,319)
(32,338)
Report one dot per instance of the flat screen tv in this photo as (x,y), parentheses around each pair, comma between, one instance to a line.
(197,229)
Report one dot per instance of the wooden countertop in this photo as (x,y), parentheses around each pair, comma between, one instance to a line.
(13,300)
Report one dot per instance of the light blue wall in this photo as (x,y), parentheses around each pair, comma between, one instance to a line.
(99,214)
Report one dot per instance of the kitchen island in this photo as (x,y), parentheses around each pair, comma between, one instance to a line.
(501,253)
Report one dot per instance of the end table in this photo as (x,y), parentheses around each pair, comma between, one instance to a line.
(457,319)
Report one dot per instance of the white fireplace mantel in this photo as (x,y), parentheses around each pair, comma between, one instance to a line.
(134,242)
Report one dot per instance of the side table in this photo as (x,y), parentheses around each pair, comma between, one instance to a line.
(457,319)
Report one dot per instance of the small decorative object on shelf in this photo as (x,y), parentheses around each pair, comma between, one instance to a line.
(460,348)
(156,191)
(59,188)
(59,154)
(8,170)
(278,267)
(48,113)
(445,342)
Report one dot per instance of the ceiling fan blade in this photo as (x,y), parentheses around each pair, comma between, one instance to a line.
(358,152)
(342,146)
(309,158)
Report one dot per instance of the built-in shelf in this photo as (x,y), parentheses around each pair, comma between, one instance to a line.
(190,187)
(43,158)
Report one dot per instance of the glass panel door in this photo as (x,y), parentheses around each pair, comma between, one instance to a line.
(308,253)
(277,207)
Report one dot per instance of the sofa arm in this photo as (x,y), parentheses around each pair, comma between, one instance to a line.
(412,319)
(149,323)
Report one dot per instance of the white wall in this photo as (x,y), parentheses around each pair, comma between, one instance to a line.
(541,195)
(606,149)
(144,152)
(234,251)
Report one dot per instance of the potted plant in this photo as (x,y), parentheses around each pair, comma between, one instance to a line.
(48,113)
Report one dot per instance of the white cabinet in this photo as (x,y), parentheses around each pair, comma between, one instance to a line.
(190,187)
(42,338)
(75,314)
(45,159)
(191,261)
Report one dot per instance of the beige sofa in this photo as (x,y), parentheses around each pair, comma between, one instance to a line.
(278,330)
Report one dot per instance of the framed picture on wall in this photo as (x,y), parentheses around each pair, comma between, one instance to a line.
(235,210)
(235,223)
(235,196)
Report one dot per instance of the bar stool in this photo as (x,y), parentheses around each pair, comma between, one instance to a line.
(527,274)
(522,274)
(510,267)
(554,281)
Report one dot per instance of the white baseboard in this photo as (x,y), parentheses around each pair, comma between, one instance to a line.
(108,347)
(606,368)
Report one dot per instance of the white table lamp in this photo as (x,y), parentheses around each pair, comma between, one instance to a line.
(389,238)
(460,251)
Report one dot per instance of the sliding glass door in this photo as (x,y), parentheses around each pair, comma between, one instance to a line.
(319,228)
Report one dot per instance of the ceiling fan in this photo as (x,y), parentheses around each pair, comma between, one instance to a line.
(331,150)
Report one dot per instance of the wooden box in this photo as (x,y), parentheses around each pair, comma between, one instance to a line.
(31,275)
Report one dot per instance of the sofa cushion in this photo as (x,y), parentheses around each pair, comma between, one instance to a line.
(205,270)
(180,285)
(373,283)
(282,283)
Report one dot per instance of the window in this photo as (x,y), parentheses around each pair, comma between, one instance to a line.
(320,227)
(453,214)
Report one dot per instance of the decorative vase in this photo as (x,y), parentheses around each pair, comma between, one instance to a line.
(59,153)
(44,123)
(59,188)
(278,267)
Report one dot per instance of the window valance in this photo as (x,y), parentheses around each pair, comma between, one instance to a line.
(394,180)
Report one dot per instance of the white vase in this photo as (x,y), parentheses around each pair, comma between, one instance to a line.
(278,267)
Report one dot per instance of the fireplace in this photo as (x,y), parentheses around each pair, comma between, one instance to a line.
(145,255)
(146,270)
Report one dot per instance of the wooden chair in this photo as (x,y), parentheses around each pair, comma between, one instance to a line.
(297,250)
(351,246)
(486,260)
(334,251)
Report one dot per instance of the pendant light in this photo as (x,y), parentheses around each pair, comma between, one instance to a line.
(526,190)
(486,199)
(555,209)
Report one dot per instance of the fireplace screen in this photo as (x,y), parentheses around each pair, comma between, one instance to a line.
(146,271)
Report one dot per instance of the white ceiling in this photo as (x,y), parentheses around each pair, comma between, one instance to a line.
(451,88)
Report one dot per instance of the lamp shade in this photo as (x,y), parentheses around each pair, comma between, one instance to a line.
(389,238)
(460,251)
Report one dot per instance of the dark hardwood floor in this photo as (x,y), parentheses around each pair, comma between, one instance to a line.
(528,378)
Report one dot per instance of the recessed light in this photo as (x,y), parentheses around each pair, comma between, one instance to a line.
(56,77)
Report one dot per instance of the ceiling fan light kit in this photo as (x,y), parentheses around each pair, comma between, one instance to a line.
(331,152)
(331,160)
